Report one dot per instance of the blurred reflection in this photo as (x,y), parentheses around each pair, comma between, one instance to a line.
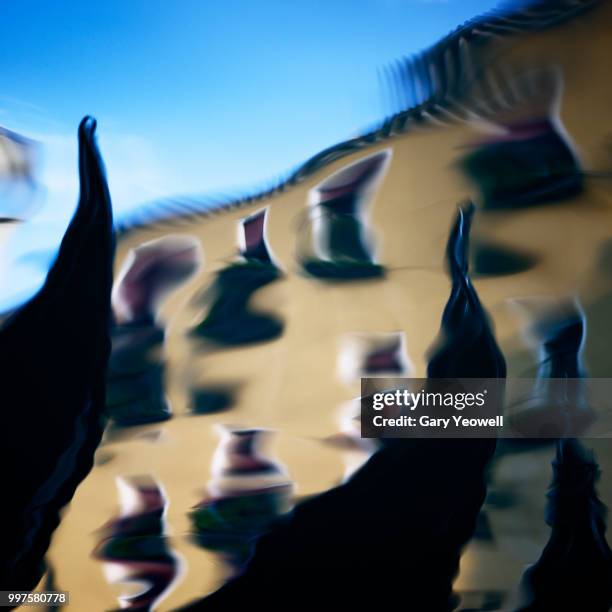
(211,399)
(465,343)
(135,388)
(247,491)
(529,159)
(133,547)
(481,601)
(52,359)
(395,530)
(491,259)
(343,247)
(391,536)
(373,355)
(50,584)
(557,330)
(149,273)
(18,187)
(228,320)
(365,355)
(575,569)
(562,335)
(253,239)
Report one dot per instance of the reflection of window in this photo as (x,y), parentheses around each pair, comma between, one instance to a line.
(135,391)
(381,354)
(18,187)
(149,273)
(494,259)
(576,558)
(136,541)
(341,236)
(530,163)
(562,348)
(229,320)
(252,238)
(247,492)
(557,330)
(558,403)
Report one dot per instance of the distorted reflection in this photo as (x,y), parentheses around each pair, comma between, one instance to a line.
(247,491)
(134,548)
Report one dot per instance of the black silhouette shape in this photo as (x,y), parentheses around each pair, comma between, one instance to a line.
(574,571)
(53,354)
(466,347)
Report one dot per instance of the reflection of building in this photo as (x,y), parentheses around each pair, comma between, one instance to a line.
(469,110)
(289,378)
(410,207)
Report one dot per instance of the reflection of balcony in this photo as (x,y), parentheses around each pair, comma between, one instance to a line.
(341,237)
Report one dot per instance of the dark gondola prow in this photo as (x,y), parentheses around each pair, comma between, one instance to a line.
(53,356)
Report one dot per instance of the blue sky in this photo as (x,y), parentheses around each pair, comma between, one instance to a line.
(193,97)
